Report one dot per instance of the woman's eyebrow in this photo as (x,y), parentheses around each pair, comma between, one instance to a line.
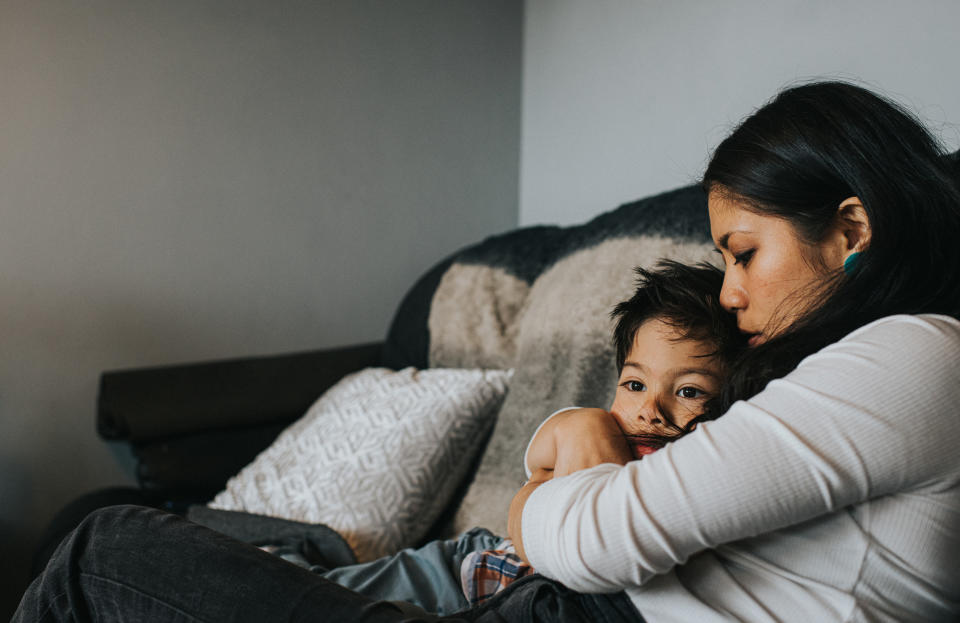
(724,239)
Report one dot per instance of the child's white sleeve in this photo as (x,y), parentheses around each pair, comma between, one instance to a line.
(526,466)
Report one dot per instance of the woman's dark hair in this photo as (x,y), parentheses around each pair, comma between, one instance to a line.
(687,298)
(798,158)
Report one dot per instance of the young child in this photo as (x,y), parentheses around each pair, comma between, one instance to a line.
(674,343)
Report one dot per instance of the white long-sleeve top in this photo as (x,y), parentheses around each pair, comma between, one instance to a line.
(832,495)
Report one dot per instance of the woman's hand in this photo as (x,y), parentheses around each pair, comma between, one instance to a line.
(587,437)
(514,519)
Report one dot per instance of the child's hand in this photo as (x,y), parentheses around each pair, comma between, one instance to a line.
(587,437)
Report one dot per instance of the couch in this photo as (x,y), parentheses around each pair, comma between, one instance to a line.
(535,300)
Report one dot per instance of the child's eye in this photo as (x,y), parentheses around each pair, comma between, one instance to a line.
(743,258)
(635,386)
(691,392)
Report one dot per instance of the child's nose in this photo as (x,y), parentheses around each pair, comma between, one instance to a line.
(650,411)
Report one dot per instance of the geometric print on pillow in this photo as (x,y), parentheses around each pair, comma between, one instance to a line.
(377,457)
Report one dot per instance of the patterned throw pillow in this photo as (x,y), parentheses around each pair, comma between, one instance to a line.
(376,458)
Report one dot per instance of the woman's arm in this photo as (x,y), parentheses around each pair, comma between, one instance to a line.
(872,415)
(516,509)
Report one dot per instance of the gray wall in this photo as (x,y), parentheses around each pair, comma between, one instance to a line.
(623,98)
(189,179)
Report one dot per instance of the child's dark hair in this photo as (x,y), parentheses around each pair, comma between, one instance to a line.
(687,298)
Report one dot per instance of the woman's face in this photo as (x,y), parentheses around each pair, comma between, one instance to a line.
(771,274)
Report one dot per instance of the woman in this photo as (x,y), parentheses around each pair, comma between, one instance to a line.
(833,493)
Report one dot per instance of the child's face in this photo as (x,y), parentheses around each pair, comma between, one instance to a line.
(666,379)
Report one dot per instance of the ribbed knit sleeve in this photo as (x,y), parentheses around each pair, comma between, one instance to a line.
(876,414)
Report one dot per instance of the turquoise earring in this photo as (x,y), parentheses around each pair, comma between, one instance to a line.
(850,264)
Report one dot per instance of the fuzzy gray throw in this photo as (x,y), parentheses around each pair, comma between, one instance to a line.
(538,300)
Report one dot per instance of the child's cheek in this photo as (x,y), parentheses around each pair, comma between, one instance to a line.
(622,406)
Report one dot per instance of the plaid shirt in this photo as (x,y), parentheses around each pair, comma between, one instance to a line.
(484,574)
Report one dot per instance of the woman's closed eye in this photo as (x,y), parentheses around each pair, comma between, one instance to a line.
(743,258)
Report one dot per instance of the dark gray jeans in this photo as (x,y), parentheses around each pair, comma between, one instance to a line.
(129,563)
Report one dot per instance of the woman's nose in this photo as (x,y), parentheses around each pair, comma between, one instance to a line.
(732,295)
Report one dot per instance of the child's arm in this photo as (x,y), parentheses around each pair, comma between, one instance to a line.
(568,441)
(575,439)
(541,452)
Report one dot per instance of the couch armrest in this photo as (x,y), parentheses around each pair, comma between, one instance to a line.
(148,404)
(195,467)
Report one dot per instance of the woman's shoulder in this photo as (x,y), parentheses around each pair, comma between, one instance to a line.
(925,327)
(902,338)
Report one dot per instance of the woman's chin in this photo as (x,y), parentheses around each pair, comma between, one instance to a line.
(756,340)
